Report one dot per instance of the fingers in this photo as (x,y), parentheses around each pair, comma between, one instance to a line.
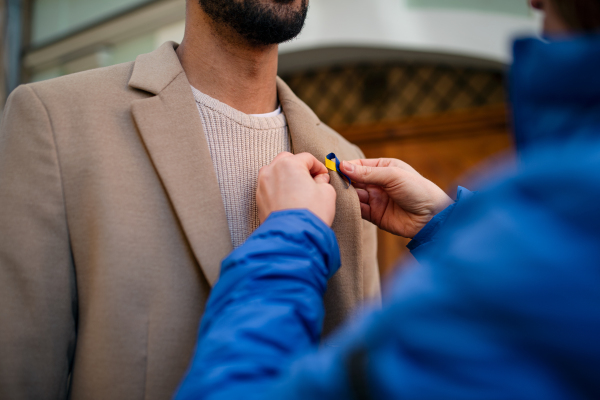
(367,162)
(298,163)
(263,170)
(380,162)
(314,166)
(363,196)
(322,178)
(328,193)
(283,154)
(365,212)
(358,185)
(381,176)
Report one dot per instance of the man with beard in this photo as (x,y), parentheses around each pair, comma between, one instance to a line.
(123,188)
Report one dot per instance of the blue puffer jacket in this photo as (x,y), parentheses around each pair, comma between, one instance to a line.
(505,300)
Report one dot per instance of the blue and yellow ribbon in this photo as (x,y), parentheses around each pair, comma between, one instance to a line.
(332,163)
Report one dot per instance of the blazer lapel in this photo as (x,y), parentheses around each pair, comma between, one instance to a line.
(171,129)
(307,135)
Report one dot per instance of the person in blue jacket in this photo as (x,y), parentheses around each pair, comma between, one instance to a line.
(503,304)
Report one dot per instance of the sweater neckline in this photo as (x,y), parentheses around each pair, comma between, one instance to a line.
(263,122)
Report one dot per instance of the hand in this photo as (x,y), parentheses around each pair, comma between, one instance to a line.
(394,196)
(295,182)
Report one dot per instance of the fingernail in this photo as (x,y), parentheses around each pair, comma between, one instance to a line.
(348,167)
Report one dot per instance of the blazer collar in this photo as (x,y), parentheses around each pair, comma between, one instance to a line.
(171,128)
(302,121)
(152,72)
(294,105)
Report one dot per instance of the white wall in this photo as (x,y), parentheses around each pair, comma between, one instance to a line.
(361,30)
(394,25)
(337,31)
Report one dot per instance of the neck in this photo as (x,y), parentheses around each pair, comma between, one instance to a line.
(225,67)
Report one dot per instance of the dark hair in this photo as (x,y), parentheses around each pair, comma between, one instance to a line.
(580,15)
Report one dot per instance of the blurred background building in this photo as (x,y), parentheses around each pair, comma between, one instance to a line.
(420,80)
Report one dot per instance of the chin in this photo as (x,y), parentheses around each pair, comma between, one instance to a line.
(284,2)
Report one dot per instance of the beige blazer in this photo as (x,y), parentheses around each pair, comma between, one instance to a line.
(112,230)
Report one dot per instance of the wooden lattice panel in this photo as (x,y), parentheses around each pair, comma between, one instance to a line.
(358,94)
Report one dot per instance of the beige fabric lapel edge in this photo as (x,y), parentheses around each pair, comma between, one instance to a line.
(302,121)
(346,289)
(171,129)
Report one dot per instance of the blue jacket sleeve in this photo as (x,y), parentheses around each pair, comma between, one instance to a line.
(265,308)
(504,307)
(425,239)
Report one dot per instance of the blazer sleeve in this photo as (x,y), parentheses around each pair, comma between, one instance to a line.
(37,280)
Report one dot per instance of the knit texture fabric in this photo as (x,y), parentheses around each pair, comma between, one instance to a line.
(240,145)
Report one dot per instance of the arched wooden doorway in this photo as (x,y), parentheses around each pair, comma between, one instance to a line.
(442,120)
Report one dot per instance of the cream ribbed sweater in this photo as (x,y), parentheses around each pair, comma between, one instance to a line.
(240,145)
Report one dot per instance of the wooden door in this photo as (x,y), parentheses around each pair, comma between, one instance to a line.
(445,148)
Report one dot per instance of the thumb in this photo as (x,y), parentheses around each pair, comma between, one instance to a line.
(380,176)
(322,178)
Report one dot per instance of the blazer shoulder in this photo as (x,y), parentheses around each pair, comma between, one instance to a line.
(350,150)
(89,84)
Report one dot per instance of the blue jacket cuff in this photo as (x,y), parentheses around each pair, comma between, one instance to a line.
(293,226)
(323,237)
(426,236)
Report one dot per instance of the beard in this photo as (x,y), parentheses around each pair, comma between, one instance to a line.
(258,23)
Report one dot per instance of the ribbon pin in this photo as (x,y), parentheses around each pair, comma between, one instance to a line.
(332,163)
